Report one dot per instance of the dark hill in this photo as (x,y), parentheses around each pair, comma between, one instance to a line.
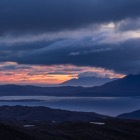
(45,114)
(135,115)
(18,90)
(127,86)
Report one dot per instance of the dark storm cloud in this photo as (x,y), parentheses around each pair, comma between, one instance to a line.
(54,15)
(122,57)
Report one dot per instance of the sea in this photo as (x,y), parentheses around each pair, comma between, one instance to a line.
(111,106)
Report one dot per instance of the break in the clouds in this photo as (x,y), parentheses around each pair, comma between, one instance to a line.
(56,15)
(12,72)
(39,36)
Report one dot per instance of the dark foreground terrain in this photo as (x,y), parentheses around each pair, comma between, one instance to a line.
(111,129)
(42,123)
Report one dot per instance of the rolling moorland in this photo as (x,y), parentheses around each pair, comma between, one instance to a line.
(41,123)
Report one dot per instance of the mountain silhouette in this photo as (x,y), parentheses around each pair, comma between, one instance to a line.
(127,86)
(124,87)
(87,81)
(135,115)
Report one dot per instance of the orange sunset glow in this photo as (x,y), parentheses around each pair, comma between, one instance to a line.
(12,72)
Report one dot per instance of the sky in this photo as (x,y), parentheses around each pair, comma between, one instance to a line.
(51,41)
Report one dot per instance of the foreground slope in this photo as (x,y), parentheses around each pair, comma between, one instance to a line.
(39,123)
(113,129)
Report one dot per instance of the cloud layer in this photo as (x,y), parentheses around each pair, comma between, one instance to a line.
(120,56)
(51,15)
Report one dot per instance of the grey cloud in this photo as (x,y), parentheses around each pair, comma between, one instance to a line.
(8,74)
(13,67)
(92,74)
(128,25)
(55,15)
(60,73)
